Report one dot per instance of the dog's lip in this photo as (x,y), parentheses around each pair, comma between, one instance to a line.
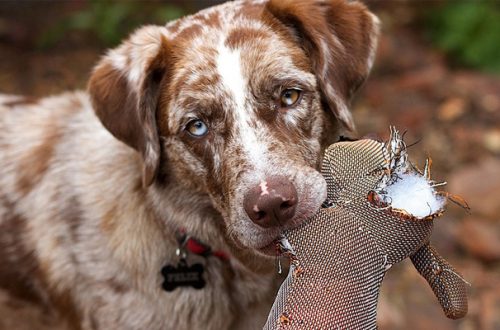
(270,248)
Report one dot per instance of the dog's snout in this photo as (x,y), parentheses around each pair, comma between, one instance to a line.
(272,202)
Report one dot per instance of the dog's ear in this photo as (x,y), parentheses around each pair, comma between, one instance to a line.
(340,37)
(124,89)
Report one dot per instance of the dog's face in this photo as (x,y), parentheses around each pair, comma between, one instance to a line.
(238,101)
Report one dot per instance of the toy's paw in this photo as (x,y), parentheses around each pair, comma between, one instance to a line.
(447,284)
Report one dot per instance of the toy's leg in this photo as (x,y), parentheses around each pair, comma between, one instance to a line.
(445,281)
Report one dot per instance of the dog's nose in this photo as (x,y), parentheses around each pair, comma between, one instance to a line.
(272,202)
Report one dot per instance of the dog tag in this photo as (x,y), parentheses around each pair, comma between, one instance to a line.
(182,275)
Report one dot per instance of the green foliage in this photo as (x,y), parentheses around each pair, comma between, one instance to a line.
(469,31)
(109,21)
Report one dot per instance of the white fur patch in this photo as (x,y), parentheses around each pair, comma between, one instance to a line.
(343,113)
(263,188)
(134,55)
(229,68)
(230,71)
(6,98)
(373,41)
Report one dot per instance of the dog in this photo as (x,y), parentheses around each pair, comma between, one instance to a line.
(197,142)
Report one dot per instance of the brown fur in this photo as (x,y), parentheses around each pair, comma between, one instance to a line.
(94,185)
(33,166)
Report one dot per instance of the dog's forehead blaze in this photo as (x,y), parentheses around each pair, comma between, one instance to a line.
(235,81)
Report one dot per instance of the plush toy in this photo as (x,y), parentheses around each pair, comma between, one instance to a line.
(379,211)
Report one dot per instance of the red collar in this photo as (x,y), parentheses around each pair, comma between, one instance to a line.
(197,247)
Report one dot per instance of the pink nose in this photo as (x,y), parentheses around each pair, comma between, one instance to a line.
(272,202)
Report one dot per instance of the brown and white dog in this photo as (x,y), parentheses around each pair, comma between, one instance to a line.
(214,123)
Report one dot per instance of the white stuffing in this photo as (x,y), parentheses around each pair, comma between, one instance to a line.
(285,244)
(413,193)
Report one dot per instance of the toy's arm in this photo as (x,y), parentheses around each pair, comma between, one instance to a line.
(445,281)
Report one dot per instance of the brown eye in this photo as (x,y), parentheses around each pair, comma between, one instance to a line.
(197,128)
(289,97)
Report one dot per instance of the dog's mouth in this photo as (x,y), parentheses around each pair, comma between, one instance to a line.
(270,249)
(268,241)
(251,232)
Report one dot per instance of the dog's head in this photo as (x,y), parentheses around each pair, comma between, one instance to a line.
(238,102)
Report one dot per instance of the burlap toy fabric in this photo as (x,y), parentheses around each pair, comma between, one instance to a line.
(342,254)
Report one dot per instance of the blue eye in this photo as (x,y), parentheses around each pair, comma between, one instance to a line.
(197,128)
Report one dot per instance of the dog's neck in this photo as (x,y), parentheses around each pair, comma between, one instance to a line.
(194,213)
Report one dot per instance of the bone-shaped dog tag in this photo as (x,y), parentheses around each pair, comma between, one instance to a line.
(182,276)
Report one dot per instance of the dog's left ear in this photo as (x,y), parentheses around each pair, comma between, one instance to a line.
(124,88)
(340,37)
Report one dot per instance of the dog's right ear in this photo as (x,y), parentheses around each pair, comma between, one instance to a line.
(340,38)
(124,88)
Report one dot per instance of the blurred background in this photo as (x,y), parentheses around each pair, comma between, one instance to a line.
(437,76)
